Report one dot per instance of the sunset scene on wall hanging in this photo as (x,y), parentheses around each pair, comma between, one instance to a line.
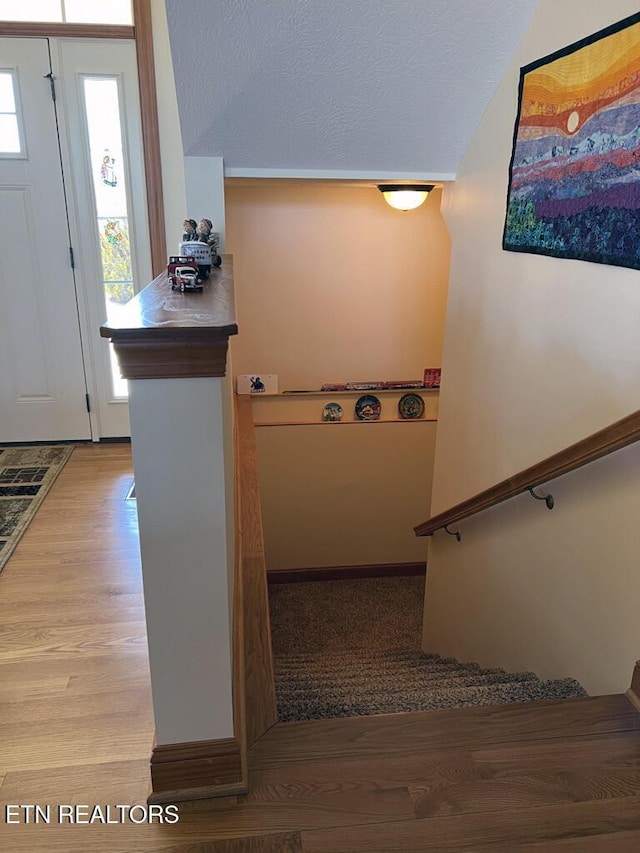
(574,177)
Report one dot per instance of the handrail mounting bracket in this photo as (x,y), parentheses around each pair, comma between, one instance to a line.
(455,533)
(548,499)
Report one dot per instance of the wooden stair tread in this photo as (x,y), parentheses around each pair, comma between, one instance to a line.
(289,842)
(612,842)
(484,831)
(423,731)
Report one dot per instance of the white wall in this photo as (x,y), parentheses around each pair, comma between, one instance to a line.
(180,468)
(539,352)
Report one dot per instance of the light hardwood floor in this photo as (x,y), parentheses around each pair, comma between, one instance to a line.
(76,727)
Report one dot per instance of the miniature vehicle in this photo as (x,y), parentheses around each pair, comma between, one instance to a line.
(182,272)
(186,278)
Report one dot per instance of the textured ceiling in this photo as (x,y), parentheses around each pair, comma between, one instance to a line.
(373,86)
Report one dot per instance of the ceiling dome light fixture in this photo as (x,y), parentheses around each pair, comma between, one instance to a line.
(405,196)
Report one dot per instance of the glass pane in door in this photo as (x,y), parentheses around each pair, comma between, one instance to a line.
(98,12)
(10,142)
(69,11)
(102,104)
(34,10)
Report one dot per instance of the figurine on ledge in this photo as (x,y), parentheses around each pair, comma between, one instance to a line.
(190,231)
(203,230)
(200,241)
(207,235)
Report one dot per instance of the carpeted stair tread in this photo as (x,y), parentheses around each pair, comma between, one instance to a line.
(412,664)
(382,665)
(392,688)
(495,694)
(359,652)
(355,682)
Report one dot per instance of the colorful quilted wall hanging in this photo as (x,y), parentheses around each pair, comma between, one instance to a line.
(574,178)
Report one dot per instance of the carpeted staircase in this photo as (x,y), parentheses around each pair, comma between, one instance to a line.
(352,648)
(358,682)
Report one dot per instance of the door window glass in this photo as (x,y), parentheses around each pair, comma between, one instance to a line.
(107,161)
(34,10)
(68,11)
(10,142)
(98,12)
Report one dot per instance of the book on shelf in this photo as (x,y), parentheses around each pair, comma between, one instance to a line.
(432,377)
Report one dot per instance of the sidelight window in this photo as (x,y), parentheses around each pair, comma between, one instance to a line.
(109,179)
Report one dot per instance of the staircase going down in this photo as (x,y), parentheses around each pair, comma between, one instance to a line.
(349,648)
(357,682)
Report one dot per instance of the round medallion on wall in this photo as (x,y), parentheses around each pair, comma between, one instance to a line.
(332,412)
(368,408)
(411,406)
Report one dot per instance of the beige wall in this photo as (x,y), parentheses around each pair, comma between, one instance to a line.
(338,495)
(331,284)
(539,352)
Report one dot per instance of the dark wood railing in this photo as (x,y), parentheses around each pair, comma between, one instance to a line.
(607,440)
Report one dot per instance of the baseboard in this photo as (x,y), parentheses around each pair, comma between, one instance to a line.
(633,693)
(331,573)
(195,770)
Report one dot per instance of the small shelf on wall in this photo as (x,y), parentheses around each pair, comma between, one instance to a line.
(304,408)
(345,423)
(293,394)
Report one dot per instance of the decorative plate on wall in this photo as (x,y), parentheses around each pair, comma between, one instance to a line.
(332,412)
(411,406)
(368,408)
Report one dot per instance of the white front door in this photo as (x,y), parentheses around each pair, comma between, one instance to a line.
(42,379)
(74,179)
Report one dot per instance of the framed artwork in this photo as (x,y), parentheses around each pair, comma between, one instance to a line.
(574,177)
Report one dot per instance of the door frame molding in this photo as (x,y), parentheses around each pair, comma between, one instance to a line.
(142,34)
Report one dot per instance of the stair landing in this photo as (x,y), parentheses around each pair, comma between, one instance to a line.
(548,775)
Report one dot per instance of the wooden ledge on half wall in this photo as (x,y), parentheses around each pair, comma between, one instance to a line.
(164,334)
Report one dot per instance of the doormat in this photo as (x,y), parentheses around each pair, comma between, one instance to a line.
(26,475)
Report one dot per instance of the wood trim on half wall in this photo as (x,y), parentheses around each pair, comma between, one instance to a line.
(332,573)
(162,334)
(259,689)
(196,770)
(633,693)
(150,133)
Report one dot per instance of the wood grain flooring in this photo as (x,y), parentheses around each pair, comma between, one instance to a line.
(76,727)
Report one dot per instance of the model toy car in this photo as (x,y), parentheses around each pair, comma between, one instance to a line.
(182,271)
(186,278)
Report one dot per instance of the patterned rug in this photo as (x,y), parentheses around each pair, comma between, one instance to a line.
(26,475)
